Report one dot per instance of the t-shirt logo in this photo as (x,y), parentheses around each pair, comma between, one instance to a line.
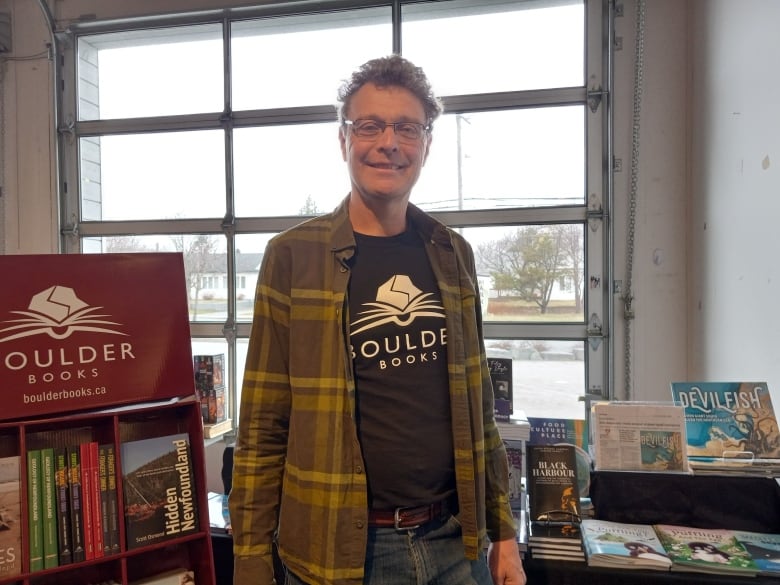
(398,301)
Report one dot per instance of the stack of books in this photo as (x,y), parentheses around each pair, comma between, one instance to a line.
(556,540)
(554,503)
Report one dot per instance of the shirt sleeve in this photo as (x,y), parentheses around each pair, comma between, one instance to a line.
(261,443)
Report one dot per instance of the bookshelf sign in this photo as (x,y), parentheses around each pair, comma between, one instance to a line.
(86,331)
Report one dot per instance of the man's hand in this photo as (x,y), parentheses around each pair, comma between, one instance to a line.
(504,563)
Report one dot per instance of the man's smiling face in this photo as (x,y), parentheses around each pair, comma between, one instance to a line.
(384,168)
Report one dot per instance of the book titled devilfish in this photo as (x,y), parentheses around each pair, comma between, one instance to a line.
(160,499)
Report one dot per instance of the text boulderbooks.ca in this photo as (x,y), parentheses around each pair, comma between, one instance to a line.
(159,489)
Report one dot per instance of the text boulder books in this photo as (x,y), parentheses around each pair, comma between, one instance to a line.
(623,545)
(728,421)
(160,499)
(10,520)
(553,492)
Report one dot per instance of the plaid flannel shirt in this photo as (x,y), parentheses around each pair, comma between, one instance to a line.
(298,473)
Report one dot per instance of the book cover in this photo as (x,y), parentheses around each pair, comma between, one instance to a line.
(51,553)
(730,420)
(617,544)
(550,431)
(764,549)
(95,498)
(10,513)
(64,539)
(159,489)
(553,491)
(88,514)
(113,500)
(661,450)
(501,377)
(76,511)
(34,513)
(706,550)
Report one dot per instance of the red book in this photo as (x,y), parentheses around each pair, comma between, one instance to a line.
(86,502)
(94,487)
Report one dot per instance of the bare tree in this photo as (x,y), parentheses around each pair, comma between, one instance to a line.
(121,244)
(309,207)
(199,255)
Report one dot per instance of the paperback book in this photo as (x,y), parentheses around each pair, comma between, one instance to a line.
(728,422)
(764,549)
(49,509)
(34,513)
(705,550)
(623,545)
(76,510)
(159,489)
(553,492)
(10,513)
(64,539)
(501,377)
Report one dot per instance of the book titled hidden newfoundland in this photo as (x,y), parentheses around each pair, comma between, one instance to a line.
(160,499)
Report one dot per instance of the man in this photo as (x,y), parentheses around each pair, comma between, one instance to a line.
(367,447)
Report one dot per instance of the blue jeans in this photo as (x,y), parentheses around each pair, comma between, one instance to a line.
(429,555)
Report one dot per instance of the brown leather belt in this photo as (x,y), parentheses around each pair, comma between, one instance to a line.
(412,517)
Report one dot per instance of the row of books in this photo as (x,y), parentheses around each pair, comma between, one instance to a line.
(73,506)
(680,548)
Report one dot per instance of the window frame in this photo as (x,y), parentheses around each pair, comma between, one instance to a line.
(593,214)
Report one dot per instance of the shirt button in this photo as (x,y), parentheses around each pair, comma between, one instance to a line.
(359,524)
(359,469)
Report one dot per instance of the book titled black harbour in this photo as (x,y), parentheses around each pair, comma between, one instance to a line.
(160,499)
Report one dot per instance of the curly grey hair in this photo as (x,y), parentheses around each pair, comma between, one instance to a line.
(391,71)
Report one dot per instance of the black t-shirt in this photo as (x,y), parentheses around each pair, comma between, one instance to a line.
(399,343)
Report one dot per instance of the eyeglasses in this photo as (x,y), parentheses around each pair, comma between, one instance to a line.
(372,129)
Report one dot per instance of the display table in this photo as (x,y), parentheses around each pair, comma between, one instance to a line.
(568,573)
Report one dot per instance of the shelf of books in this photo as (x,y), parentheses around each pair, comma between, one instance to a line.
(102,473)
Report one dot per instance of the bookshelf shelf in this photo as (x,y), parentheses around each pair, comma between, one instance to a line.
(115,427)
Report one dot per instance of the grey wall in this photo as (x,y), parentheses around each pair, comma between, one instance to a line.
(734,240)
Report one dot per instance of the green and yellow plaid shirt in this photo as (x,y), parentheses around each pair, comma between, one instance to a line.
(298,473)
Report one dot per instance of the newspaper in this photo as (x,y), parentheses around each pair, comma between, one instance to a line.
(639,436)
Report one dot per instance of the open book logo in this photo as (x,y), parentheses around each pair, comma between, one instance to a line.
(398,301)
(58,313)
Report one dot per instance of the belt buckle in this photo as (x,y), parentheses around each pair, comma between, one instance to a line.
(397,520)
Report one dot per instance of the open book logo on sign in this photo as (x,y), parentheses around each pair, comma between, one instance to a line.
(57,312)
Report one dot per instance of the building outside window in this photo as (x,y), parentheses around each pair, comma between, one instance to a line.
(207,134)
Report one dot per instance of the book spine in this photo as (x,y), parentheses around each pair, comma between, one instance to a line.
(49,510)
(97,512)
(104,503)
(86,503)
(63,506)
(113,500)
(34,504)
(76,509)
